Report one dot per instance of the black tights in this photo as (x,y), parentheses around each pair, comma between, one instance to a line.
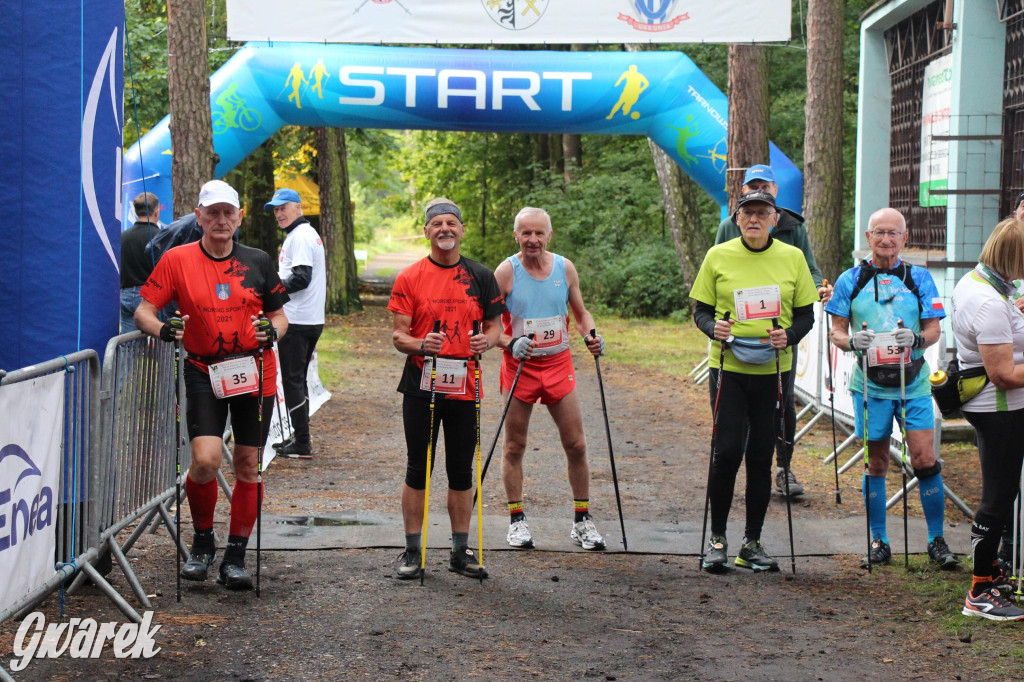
(747,399)
(1001,452)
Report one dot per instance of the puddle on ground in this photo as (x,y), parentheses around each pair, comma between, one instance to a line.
(311,521)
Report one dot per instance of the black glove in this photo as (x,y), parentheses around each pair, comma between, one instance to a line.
(266,326)
(171,327)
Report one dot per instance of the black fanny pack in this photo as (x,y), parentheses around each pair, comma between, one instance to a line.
(889,375)
(959,387)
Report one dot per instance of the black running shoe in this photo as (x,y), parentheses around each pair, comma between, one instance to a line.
(753,556)
(716,556)
(409,565)
(880,554)
(296,450)
(199,561)
(795,488)
(1004,579)
(991,604)
(464,562)
(283,444)
(941,555)
(234,577)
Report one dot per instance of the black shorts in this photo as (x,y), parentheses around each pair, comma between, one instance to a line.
(207,414)
(458,418)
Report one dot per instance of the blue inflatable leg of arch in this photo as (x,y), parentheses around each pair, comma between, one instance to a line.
(60,161)
(662,95)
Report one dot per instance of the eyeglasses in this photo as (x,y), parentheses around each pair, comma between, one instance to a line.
(887,233)
(763,213)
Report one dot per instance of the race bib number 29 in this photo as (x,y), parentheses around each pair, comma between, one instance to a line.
(546,332)
(757,303)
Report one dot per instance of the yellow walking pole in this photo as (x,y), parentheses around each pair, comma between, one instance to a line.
(479,474)
(430,446)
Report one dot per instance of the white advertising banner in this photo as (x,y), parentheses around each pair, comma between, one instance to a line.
(466,22)
(936,104)
(280,426)
(30,441)
(808,358)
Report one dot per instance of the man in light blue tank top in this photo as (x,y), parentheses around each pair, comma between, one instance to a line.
(540,288)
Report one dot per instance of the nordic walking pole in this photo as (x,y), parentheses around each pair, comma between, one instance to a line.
(611,455)
(903,450)
(259,458)
(430,452)
(867,493)
(711,459)
(832,401)
(177,461)
(479,476)
(782,447)
(504,411)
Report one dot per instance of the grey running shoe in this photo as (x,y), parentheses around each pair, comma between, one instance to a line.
(409,565)
(519,535)
(753,556)
(1004,580)
(795,489)
(586,536)
(234,577)
(941,555)
(464,562)
(879,554)
(716,556)
(991,604)
(199,561)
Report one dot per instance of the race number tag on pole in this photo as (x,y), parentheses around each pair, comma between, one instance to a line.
(547,332)
(885,351)
(757,303)
(451,375)
(234,377)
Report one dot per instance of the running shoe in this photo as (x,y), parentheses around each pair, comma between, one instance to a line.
(991,604)
(716,556)
(879,554)
(234,577)
(585,534)
(296,450)
(200,559)
(409,565)
(753,556)
(464,562)
(1004,580)
(519,535)
(941,555)
(283,444)
(795,489)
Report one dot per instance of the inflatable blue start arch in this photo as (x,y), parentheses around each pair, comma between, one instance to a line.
(264,86)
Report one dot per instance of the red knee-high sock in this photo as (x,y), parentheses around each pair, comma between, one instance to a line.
(202,500)
(243,508)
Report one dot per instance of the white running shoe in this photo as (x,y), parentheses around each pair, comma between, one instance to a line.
(586,536)
(519,535)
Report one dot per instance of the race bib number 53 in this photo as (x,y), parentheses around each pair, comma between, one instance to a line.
(757,303)
(884,351)
(234,377)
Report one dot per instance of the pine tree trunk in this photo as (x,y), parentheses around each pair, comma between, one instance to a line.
(188,87)
(748,113)
(337,225)
(823,137)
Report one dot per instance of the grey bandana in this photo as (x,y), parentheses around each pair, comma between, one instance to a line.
(441,209)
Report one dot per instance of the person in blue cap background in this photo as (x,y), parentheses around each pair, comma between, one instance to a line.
(302,269)
(790,230)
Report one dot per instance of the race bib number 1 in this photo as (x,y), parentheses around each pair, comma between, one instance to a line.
(757,303)
(234,377)
(451,375)
(547,332)
(884,351)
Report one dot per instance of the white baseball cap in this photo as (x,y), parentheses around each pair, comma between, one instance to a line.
(218,192)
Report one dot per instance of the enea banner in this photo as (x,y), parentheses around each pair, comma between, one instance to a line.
(936,103)
(464,22)
(30,438)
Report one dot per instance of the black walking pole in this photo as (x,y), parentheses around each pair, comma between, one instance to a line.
(832,401)
(867,493)
(782,449)
(504,411)
(430,452)
(259,458)
(903,450)
(611,455)
(711,459)
(177,464)
(479,475)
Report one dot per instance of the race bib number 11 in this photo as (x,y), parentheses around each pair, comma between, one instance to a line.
(757,303)
(451,375)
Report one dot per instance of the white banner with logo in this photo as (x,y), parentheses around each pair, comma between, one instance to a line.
(465,22)
(808,359)
(936,104)
(30,441)
(280,426)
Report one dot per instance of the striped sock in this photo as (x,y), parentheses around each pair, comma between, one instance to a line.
(582,509)
(516,511)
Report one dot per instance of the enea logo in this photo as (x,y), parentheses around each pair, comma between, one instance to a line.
(20,517)
(653,16)
(515,15)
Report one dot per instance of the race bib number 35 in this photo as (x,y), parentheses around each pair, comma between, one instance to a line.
(884,351)
(234,377)
(757,303)
(451,375)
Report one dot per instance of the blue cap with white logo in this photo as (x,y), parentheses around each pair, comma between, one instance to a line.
(282,196)
(759,173)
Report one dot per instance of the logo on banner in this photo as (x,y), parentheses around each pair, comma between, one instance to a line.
(515,15)
(21,517)
(223,291)
(653,15)
(82,638)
